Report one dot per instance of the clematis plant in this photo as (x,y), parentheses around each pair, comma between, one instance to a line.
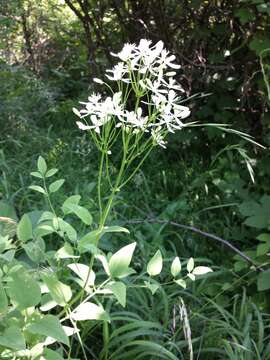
(145,107)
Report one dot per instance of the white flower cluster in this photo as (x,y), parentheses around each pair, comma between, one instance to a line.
(148,70)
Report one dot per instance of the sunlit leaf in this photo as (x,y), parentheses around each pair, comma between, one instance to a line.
(38,189)
(119,262)
(119,290)
(176,267)
(60,292)
(66,252)
(42,166)
(90,311)
(51,172)
(87,276)
(55,186)
(152,287)
(201,270)
(181,282)
(24,228)
(74,199)
(68,229)
(190,265)
(154,266)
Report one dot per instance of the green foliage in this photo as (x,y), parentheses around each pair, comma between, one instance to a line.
(48,57)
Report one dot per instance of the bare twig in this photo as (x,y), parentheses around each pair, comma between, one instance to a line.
(203,233)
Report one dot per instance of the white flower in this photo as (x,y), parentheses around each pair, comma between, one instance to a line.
(166,60)
(76,112)
(126,53)
(136,119)
(154,86)
(144,46)
(118,72)
(167,119)
(158,138)
(181,112)
(172,84)
(159,101)
(172,98)
(82,126)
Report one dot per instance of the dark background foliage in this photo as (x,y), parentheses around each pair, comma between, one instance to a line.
(49,53)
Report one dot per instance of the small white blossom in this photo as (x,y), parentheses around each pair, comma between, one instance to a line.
(82,126)
(135,119)
(118,72)
(98,81)
(126,53)
(158,138)
(166,60)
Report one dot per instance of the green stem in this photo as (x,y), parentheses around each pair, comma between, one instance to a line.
(106,340)
(137,167)
(99,183)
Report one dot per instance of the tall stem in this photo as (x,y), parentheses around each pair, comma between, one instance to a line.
(99,183)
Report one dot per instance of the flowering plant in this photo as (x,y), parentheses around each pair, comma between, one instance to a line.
(146,106)
(143,109)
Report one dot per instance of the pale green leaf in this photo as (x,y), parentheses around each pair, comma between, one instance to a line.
(55,186)
(190,265)
(46,215)
(89,240)
(12,338)
(119,290)
(265,237)
(181,282)
(191,276)
(51,172)
(24,229)
(47,303)
(81,212)
(51,355)
(60,292)
(66,252)
(90,311)
(42,166)
(263,248)
(68,229)
(154,266)
(119,262)
(35,250)
(38,189)
(73,199)
(36,174)
(152,287)
(3,300)
(50,326)
(114,228)
(104,262)
(201,270)
(23,290)
(86,275)
(43,230)
(263,281)
(176,267)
